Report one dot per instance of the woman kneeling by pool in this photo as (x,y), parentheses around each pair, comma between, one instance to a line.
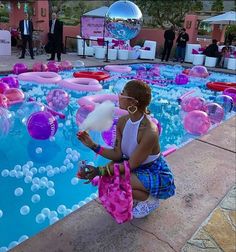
(137,140)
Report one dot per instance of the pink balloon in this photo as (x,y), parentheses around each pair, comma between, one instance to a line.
(181,79)
(215,112)
(39,67)
(66,65)
(192,103)
(14,95)
(58,99)
(3,86)
(11,81)
(197,122)
(19,68)
(53,66)
(3,101)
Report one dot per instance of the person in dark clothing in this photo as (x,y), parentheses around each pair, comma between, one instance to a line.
(181,41)
(212,49)
(55,37)
(26,30)
(169,36)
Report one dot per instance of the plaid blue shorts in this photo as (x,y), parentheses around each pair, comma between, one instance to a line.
(157,178)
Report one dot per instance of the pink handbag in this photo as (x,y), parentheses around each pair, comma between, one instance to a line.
(115,194)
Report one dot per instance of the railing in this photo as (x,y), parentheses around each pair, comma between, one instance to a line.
(84,41)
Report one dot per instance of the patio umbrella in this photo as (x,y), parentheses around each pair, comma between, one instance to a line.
(226,18)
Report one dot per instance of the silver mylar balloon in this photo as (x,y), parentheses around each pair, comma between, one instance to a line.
(124,20)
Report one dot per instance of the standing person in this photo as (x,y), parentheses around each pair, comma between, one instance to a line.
(55,37)
(137,140)
(26,30)
(169,36)
(181,42)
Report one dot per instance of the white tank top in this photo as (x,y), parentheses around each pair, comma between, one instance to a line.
(129,140)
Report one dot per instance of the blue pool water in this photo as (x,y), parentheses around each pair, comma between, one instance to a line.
(38,178)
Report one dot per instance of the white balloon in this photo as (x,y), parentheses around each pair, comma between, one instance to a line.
(74,181)
(5,173)
(50,192)
(18,191)
(61,209)
(25,210)
(45,211)
(39,150)
(23,238)
(40,218)
(35,198)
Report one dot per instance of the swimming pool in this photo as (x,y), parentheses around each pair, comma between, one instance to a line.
(38,177)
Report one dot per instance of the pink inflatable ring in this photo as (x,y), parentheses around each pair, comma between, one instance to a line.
(89,102)
(81,84)
(40,77)
(118,68)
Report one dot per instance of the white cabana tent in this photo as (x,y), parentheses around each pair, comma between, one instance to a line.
(93,23)
(226,18)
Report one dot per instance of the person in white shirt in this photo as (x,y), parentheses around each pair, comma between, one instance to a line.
(26,30)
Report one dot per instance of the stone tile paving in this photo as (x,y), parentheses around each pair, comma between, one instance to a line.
(218,232)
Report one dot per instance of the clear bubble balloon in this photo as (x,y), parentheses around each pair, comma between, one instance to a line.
(28,108)
(123,20)
(1,213)
(5,122)
(226,102)
(197,122)
(214,111)
(14,95)
(192,103)
(199,71)
(58,99)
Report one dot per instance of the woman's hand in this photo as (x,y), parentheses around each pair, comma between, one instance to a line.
(88,172)
(84,137)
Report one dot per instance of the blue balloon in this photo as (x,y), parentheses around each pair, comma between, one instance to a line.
(226,102)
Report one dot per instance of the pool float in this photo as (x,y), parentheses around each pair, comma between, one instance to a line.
(118,68)
(40,77)
(220,86)
(81,84)
(94,75)
(89,102)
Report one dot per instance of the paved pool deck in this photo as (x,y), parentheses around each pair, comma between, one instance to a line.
(201,216)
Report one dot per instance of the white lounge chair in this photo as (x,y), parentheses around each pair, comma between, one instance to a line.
(89,50)
(148,54)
